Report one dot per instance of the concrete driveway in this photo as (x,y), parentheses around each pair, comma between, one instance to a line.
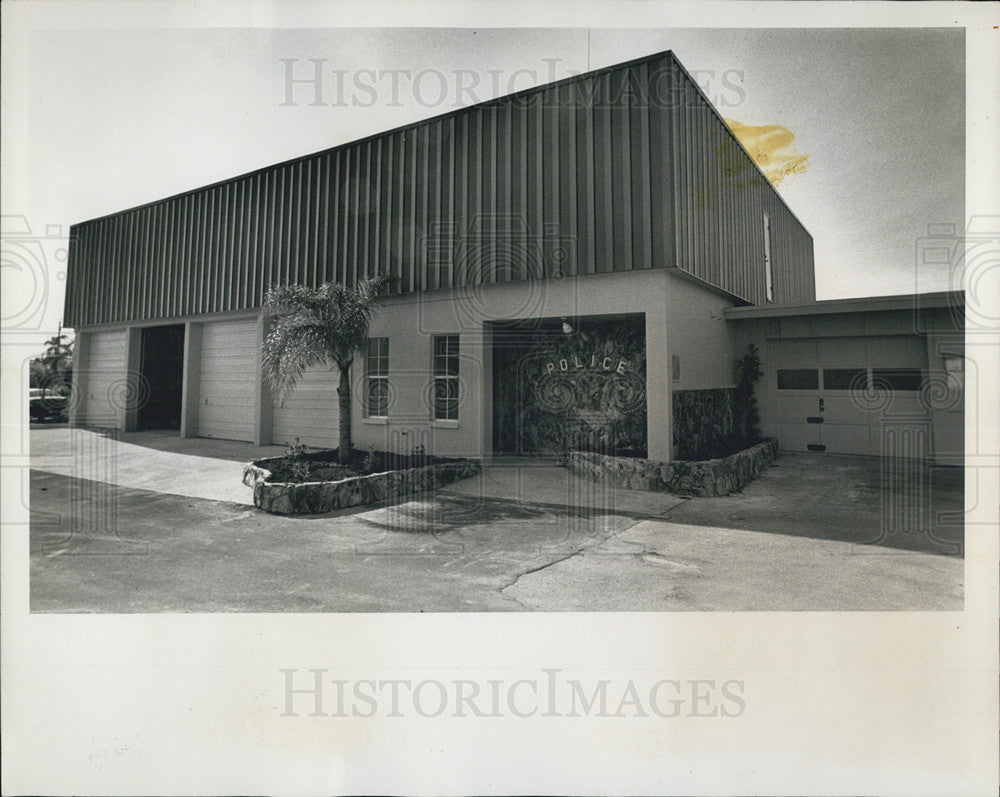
(146,535)
(159,461)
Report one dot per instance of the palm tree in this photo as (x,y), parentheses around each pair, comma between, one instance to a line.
(56,364)
(327,325)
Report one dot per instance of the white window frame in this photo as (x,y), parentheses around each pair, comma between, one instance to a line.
(376,377)
(445,377)
(768,275)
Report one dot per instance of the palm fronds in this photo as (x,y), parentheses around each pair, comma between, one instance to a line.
(315,326)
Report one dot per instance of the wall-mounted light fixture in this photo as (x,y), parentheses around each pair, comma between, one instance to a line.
(566,327)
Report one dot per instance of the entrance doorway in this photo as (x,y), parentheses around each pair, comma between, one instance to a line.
(575,383)
(162,369)
(517,349)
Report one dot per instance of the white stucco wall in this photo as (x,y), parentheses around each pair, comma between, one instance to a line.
(681,318)
(699,336)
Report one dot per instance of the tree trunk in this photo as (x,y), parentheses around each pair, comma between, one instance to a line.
(344,397)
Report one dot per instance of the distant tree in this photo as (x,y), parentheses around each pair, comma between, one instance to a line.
(54,369)
(327,325)
(37,373)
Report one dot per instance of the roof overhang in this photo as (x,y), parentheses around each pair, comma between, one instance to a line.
(867,304)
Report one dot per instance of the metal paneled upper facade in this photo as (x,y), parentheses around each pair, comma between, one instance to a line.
(622,168)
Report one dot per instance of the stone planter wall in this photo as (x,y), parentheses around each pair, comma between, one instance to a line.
(310,498)
(709,477)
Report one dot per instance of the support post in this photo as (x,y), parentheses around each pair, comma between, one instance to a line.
(191,385)
(659,388)
(137,391)
(263,407)
(485,353)
(81,364)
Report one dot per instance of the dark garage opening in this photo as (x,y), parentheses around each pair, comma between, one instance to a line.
(162,368)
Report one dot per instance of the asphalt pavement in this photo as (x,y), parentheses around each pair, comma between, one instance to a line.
(153,523)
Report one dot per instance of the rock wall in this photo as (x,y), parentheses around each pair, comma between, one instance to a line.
(310,498)
(711,477)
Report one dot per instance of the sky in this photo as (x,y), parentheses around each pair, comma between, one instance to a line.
(117,118)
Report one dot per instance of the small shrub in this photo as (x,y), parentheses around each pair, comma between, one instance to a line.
(297,469)
(748,373)
(296,449)
(371,460)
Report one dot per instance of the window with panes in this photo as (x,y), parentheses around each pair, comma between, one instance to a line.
(377,378)
(446,377)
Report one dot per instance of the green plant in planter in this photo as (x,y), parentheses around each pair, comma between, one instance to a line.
(418,456)
(298,469)
(371,461)
(748,373)
(295,449)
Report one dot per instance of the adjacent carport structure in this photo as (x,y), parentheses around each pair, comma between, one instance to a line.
(881,376)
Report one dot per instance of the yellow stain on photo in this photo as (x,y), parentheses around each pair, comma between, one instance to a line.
(771,147)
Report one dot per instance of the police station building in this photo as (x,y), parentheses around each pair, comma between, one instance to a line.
(601,249)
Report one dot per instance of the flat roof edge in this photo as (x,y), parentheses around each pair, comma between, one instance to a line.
(864,304)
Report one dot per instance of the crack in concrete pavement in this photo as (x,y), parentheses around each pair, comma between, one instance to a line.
(582,549)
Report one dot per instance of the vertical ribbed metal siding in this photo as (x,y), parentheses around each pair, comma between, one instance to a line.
(720,198)
(560,181)
(791,255)
(573,178)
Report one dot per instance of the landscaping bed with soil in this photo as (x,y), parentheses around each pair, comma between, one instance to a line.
(315,482)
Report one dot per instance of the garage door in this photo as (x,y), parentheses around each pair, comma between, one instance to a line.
(228,380)
(310,412)
(105,381)
(849,395)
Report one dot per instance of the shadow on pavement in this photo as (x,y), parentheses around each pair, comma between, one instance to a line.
(901,504)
